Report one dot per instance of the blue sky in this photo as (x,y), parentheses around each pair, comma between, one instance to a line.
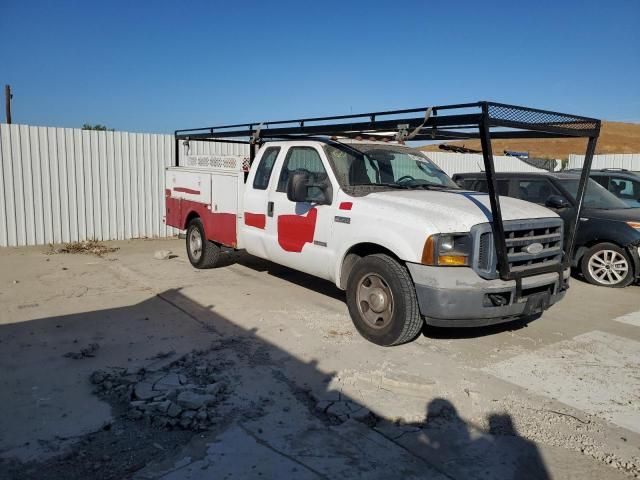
(154,66)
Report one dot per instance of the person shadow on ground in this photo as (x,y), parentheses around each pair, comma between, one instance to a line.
(464,450)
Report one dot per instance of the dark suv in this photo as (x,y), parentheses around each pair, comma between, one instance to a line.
(624,184)
(607,248)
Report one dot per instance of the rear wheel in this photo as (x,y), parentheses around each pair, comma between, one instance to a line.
(382,301)
(608,265)
(201,252)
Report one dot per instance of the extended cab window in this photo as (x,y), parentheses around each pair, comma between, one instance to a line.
(263,173)
(303,158)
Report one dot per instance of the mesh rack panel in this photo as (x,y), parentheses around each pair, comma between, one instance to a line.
(522,117)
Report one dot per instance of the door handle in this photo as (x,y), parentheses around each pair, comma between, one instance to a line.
(270,209)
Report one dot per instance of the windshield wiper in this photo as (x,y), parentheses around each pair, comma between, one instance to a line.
(427,186)
(390,185)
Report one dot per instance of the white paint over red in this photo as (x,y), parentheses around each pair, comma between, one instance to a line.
(187,190)
(308,237)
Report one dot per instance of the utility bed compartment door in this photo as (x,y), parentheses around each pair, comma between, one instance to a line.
(190,185)
(224,188)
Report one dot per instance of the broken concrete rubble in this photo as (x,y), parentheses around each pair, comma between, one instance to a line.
(194,400)
(162,254)
(183,394)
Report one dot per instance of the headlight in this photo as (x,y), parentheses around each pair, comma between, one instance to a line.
(447,243)
(451,249)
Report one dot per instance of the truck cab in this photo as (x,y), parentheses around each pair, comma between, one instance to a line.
(382,222)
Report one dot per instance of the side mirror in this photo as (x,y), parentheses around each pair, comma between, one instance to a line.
(557,201)
(301,188)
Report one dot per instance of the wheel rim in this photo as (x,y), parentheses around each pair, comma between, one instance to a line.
(375,301)
(608,267)
(195,244)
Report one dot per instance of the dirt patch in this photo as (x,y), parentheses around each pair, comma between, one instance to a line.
(90,247)
(116,451)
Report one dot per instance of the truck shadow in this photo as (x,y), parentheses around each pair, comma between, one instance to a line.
(442,446)
(329,289)
(301,279)
(430,331)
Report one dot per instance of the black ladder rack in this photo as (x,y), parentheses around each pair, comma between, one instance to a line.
(480,120)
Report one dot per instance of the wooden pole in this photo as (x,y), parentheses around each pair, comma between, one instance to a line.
(7,99)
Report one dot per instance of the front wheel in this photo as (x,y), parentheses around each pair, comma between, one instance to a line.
(382,301)
(201,252)
(607,265)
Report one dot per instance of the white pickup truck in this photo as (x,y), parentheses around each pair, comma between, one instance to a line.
(378,219)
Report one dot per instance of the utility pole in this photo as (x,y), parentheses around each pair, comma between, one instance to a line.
(7,98)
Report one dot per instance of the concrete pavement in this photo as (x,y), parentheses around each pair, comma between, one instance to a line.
(557,398)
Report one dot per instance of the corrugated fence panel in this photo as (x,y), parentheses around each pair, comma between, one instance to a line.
(453,163)
(628,161)
(8,198)
(63,184)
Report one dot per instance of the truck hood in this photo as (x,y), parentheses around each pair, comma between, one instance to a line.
(451,210)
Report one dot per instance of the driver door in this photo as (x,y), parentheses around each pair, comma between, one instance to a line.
(300,232)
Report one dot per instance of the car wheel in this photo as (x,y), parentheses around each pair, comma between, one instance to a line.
(201,252)
(382,301)
(607,265)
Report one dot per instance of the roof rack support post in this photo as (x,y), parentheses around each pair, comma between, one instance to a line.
(252,152)
(492,184)
(176,147)
(582,187)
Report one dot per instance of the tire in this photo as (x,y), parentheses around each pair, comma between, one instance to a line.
(382,301)
(208,254)
(607,265)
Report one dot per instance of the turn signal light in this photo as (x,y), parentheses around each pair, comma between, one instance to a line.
(427,252)
(635,225)
(452,260)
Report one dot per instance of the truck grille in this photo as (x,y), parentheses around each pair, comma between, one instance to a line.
(530,244)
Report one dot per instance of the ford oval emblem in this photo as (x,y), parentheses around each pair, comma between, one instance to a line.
(534,248)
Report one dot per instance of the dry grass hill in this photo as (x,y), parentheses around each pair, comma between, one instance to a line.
(615,137)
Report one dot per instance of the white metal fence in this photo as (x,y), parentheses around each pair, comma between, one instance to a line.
(629,161)
(65,184)
(453,163)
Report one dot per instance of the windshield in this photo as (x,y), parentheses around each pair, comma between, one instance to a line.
(596,195)
(389,166)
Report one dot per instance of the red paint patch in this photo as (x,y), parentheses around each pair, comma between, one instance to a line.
(167,192)
(187,190)
(346,206)
(221,228)
(296,230)
(173,212)
(218,227)
(258,220)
